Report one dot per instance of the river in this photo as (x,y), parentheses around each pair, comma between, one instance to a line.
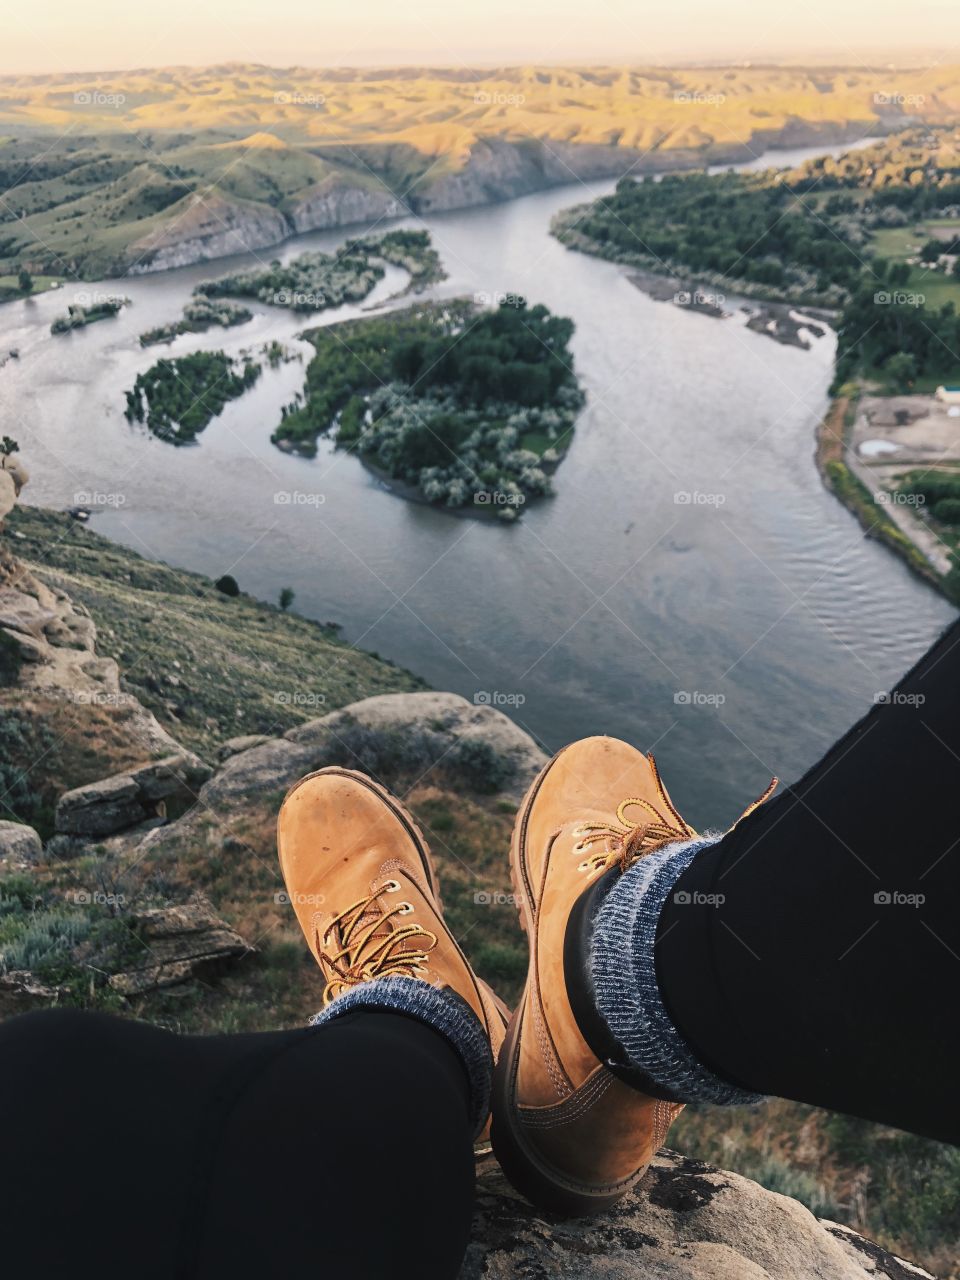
(691,587)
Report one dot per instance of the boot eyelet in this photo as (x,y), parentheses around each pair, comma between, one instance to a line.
(391,886)
(405,908)
(584,866)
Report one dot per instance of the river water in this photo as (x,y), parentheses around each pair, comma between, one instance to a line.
(691,587)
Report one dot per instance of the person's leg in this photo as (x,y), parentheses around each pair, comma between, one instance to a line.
(342,1149)
(813,952)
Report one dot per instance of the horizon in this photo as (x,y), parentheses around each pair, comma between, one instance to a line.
(365,34)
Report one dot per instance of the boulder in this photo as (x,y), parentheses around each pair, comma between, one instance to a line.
(18,844)
(447,716)
(246,742)
(24,613)
(180,942)
(685,1221)
(126,799)
(274,765)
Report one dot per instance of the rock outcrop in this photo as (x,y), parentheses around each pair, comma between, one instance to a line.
(56,641)
(180,942)
(685,1221)
(127,799)
(441,720)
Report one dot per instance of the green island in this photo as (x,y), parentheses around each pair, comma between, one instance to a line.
(318,281)
(874,236)
(460,404)
(177,398)
(78,317)
(199,315)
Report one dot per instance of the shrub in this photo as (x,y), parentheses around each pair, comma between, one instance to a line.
(11,660)
(947,510)
(228,585)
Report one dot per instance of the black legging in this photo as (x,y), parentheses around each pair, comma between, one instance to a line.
(346,1150)
(340,1151)
(830,971)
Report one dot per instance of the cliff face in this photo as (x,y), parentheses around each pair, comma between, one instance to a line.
(214,226)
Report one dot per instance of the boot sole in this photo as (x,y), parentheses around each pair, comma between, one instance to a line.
(539,1182)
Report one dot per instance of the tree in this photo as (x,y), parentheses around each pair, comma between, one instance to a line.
(901,369)
(24,280)
(931,251)
(228,585)
(287,597)
(8,446)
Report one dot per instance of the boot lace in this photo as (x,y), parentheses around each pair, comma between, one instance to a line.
(367,941)
(655,826)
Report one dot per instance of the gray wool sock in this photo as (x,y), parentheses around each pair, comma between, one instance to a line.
(625,979)
(438,1007)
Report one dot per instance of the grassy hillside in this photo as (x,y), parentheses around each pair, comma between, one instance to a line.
(208,665)
(96,167)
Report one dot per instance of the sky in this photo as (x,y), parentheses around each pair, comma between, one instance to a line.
(64,35)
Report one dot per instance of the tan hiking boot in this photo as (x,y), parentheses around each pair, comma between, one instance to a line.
(361,879)
(570,1134)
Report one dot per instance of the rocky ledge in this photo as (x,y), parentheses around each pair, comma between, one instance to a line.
(685,1221)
